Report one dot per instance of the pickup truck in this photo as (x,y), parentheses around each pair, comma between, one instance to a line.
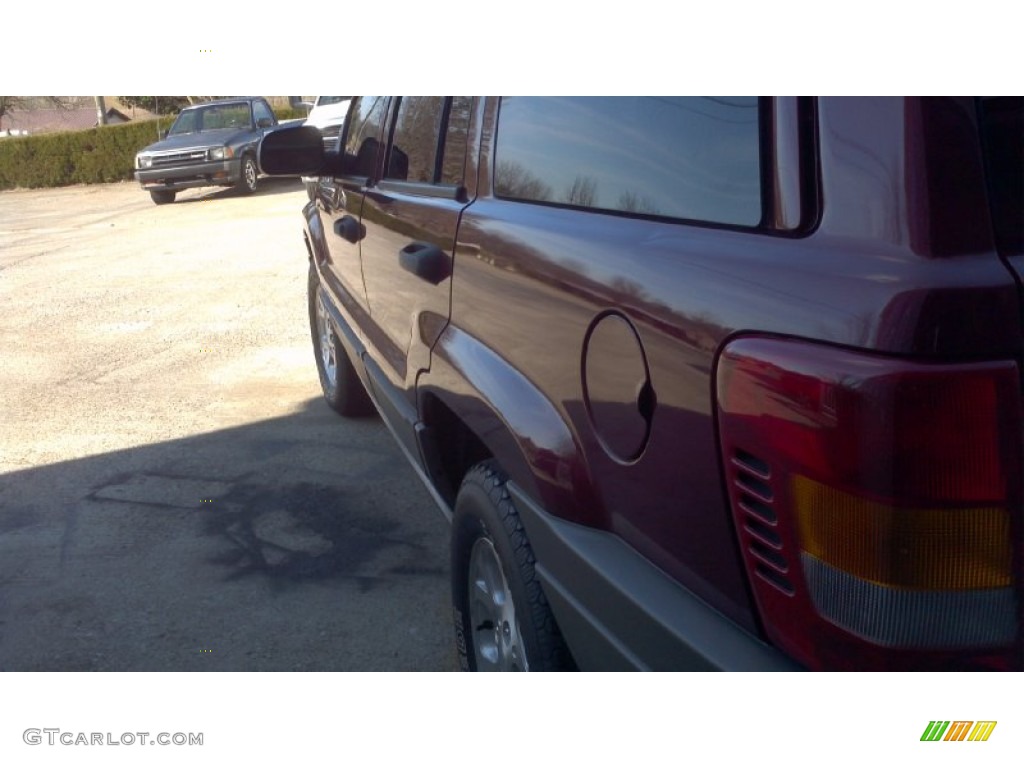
(211,144)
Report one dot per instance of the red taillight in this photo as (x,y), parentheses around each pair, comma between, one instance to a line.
(877,503)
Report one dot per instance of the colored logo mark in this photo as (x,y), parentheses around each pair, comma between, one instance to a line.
(959,730)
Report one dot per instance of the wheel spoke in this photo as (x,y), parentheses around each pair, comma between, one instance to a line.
(497,640)
(516,655)
(326,334)
(482,591)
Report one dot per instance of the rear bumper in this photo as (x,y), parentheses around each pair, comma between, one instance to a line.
(221,173)
(617,611)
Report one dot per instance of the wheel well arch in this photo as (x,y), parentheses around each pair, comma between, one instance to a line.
(474,406)
(453,447)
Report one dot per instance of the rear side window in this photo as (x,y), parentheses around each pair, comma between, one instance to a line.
(1002,128)
(686,158)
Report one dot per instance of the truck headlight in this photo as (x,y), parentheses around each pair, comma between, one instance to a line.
(221,153)
(143,161)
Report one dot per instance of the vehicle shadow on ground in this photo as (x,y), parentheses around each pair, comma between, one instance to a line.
(268,185)
(289,543)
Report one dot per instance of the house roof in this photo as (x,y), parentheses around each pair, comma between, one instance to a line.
(51,119)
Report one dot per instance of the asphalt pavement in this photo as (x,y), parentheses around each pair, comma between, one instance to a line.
(174,492)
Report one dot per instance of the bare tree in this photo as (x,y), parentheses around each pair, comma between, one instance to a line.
(162,105)
(636,203)
(514,180)
(10,104)
(583,192)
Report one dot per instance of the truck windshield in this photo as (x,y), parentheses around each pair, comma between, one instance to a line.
(212,118)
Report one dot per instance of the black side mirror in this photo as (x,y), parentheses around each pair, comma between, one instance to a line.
(293,151)
(264,122)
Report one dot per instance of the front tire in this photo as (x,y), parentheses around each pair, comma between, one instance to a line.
(162,196)
(502,618)
(340,383)
(248,179)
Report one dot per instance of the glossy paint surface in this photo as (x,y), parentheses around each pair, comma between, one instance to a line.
(883,269)
(879,240)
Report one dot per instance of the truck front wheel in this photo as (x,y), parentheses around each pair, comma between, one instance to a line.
(340,383)
(247,179)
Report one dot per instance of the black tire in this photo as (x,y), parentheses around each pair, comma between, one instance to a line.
(340,383)
(528,639)
(248,177)
(162,196)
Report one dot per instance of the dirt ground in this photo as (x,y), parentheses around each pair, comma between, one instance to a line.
(174,493)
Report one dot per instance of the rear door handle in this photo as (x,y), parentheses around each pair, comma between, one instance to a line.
(349,229)
(426,261)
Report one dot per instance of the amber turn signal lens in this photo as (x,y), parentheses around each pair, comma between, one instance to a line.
(934,549)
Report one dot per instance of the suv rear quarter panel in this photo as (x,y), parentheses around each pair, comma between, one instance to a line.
(532,279)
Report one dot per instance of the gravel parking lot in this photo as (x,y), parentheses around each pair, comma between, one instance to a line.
(174,493)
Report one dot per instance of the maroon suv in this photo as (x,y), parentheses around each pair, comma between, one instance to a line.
(703,383)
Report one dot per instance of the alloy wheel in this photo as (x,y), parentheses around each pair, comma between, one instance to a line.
(497,640)
(327,345)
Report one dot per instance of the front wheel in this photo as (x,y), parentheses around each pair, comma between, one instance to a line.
(340,383)
(248,179)
(503,622)
(162,196)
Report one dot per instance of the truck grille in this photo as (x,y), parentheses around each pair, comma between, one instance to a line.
(187,156)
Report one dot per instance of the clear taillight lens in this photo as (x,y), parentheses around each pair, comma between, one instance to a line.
(877,503)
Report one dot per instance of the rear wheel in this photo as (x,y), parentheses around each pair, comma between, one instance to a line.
(162,196)
(340,383)
(503,622)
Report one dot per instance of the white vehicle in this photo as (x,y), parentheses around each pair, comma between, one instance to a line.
(328,117)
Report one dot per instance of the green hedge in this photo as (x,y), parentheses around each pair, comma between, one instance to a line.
(95,156)
(287,113)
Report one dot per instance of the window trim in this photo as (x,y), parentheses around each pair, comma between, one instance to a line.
(422,188)
(442,157)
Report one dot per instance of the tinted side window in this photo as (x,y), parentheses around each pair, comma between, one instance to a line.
(1002,127)
(688,158)
(413,155)
(363,135)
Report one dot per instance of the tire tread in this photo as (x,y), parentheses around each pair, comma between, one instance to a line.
(551,653)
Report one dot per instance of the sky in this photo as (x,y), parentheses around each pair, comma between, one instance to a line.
(784,47)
